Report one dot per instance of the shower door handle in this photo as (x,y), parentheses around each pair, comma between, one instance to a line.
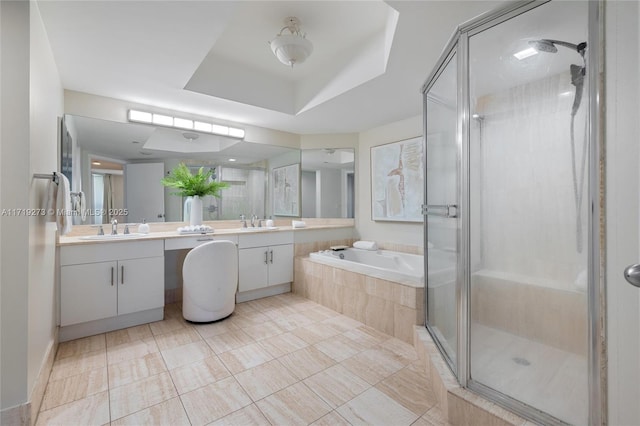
(632,274)
(440,210)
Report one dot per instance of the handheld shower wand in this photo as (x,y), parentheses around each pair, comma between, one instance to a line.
(577,80)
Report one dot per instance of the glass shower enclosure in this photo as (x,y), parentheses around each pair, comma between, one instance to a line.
(509,190)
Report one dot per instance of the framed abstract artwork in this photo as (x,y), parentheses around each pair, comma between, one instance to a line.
(286,193)
(397,181)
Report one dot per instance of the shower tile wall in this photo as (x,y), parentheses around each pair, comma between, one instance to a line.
(528,220)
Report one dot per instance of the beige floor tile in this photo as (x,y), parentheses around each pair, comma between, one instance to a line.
(243,308)
(331,419)
(336,385)
(249,319)
(343,323)
(410,388)
(317,332)
(306,362)
(214,328)
(249,415)
(263,331)
(214,401)
(228,341)
(265,379)
(128,399)
(278,312)
(167,325)
(135,369)
(373,365)
(246,357)
(432,417)
(295,405)
(293,321)
(128,335)
(375,408)
(133,350)
(76,364)
(175,338)
(366,336)
(186,354)
(167,413)
(81,346)
(283,344)
(319,313)
(339,347)
(93,410)
(73,388)
(198,374)
(404,352)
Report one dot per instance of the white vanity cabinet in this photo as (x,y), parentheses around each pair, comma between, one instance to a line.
(265,261)
(112,282)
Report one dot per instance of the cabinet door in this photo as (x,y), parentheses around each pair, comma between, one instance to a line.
(252,273)
(140,284)
(88,292)
(280,264)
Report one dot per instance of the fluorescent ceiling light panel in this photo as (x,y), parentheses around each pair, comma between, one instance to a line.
(236,133)
(523,54)
(220,130)
(141,116)
(202,127)
(163,120)
(182,123)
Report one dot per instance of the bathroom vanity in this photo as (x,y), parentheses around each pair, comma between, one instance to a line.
(111,284)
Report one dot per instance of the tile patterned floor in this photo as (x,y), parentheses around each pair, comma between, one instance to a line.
(282,360)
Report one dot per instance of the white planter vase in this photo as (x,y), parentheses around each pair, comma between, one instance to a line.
(196,211)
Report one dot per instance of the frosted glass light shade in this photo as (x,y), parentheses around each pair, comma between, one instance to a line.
(291,49)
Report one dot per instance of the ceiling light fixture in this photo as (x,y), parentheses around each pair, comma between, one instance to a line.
(293,48)
(183,123)
(523,54)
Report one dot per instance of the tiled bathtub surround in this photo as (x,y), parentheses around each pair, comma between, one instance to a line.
(386,306)
(281,360)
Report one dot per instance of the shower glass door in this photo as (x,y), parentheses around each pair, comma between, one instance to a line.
(442,195)
(528,210)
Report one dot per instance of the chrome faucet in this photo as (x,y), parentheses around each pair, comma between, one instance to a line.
(114,227)
(243,220)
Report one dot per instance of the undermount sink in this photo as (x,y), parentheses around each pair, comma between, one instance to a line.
(113,237)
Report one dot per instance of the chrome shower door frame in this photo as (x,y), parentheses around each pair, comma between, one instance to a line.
(459,45)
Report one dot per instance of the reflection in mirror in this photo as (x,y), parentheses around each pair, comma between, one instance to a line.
(118,166)
(328,186)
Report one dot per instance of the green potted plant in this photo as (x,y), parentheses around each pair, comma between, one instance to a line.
(193,185)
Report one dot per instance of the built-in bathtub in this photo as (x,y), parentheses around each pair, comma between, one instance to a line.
(382,289)
(403,268)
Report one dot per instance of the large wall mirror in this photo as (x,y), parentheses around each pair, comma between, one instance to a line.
(328,182)
(118,166)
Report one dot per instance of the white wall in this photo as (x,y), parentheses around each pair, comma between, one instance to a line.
(30,104)
(622,94)
(15,182)
(46,106)
(394,232)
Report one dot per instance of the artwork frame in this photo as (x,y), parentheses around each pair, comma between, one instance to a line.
(286,190)
(397,181)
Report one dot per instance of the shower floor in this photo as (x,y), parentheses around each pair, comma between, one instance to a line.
(545,377)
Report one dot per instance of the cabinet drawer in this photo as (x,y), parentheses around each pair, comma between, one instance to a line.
(196,240)
(265,239)
(101,252)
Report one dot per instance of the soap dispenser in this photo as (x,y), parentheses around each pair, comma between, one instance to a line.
(143,228)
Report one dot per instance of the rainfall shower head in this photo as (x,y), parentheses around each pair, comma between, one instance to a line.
(549,46)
